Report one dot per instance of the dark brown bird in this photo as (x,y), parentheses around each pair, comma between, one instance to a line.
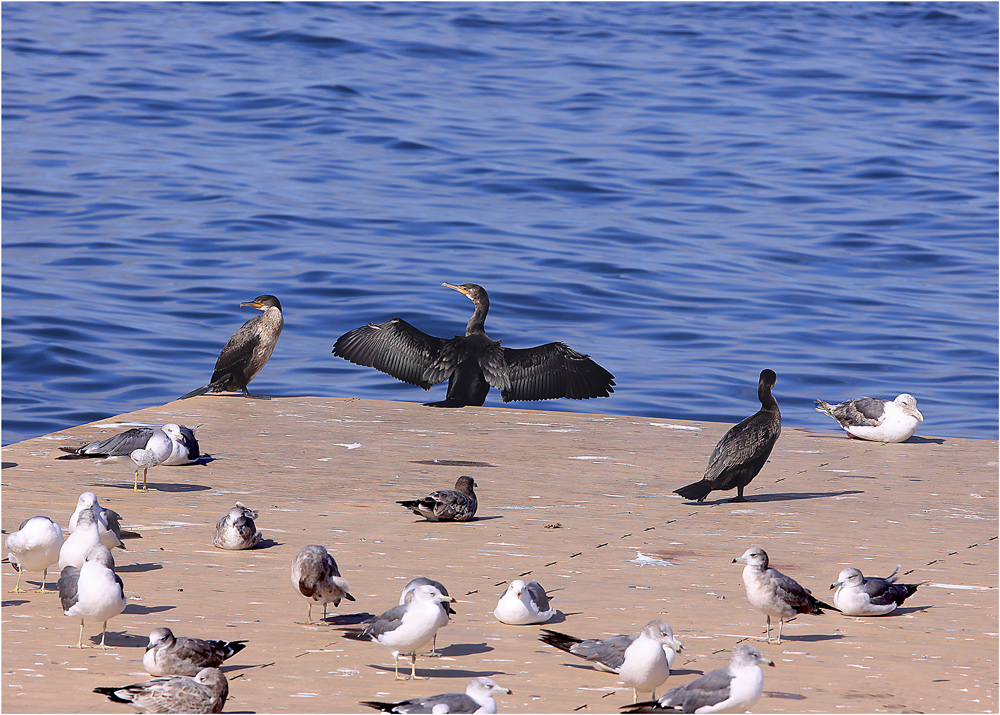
(741,453)
(472,363)
(458,504)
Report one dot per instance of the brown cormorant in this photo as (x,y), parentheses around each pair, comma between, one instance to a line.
(247,351)
(743,450)
(472,363)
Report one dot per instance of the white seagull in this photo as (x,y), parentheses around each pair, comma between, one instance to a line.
(733,689)
(407,595)
(237,530)
(316,577)
(860,595)
(477,698)
(168,654)
(86,535)
(184,449)
(875,419)
(34,547)
(407,628)
(107,520)
(523,604)
(93,592)
(204,693)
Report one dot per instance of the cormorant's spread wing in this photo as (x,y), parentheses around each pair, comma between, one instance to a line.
(395,347)
(238,350)
(553,370)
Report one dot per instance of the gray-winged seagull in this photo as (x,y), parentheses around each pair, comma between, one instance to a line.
(523,604)
(875,419)
(93,592)
(168,654)
(477,698)
(860,595)
(34,547)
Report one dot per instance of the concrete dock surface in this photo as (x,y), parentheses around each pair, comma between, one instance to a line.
(583,503)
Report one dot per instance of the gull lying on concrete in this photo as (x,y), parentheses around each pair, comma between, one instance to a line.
(640,661)
(774,593)
(477,698)
(733,689)
(204,693)
(34,547)
(236,530)
(107,520)
(407,628)
(317,578)
(860,595)
(523,603)
(93,592)
(407,595)
(875,419)
(458,504)
(167,654)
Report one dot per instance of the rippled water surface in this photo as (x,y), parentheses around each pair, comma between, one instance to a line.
(687,192)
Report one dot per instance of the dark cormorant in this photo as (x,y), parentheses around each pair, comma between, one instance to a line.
(743,450)
(472,363)
(247,351)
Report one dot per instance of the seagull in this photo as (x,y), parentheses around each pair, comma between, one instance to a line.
(407,628)
(86,535)
(236,529)
(774,593)
(204,693)
(859,595)
(34,547)
(458,504)
(317,578)
(247,351)
(733,689)
(743,450)
(407,595)
(107,520)
(184,448)
(641,662)
(93,592)
(523,603)
(167,654)
(477,698)
(876,419)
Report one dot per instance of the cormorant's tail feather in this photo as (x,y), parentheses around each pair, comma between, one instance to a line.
(696,491)
(194,393)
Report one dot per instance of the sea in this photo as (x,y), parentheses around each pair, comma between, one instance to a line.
(687,192)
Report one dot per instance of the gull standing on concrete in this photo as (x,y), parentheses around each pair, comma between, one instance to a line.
(184,448)
(407,595)
(859,595)
(107,520)
(86,535)
(875,419)
(641,663)
(204,693)
(317,578)
(167,654)
(743,450)
(523,604)
(733,689)
(458,504)
(774,593)
(236,530)
(477,698)
(407,628)
(247,351)
(34,547)
(93,592)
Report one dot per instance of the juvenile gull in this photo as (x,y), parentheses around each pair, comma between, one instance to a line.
(458,504)
(184,448)
(93,592)
(641,661)
(733,689)
(407,595)
(774,593)
(167,654)
(523,603)
(859,595)
(477,698)
(876,419)
(236,530)
(407,628)
(86,535)
(204,693)
(317,578)
(107,520)
(743,450)
(34,547)
(247,351)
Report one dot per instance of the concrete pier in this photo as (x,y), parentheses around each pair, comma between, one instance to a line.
(581,502)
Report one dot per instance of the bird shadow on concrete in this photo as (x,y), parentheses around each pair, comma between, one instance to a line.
(924,440)
(903,610)
(815,638)
(347,619)
(404,669)
(456,649)
(121,639)
(7,465)
(16,602)
(782,496)
(777,694)
(138,568)
(160,487)
(137,610)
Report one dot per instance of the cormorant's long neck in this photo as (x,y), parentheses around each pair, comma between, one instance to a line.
(477,323)
(767,401)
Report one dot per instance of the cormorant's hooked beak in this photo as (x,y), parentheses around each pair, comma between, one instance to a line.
(460,289)
(253,304)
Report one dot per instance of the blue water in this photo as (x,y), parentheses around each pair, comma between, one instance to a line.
(687,192)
